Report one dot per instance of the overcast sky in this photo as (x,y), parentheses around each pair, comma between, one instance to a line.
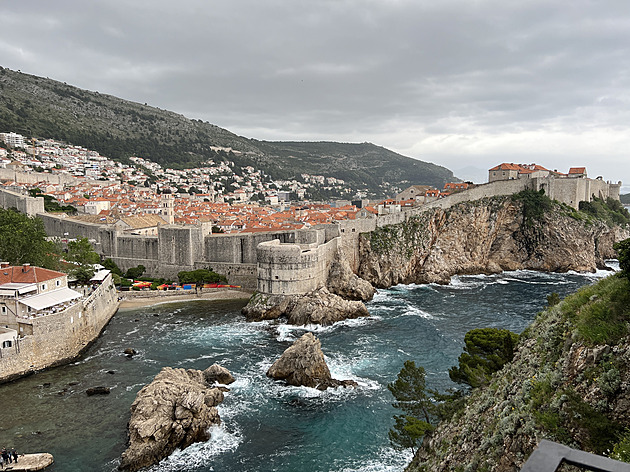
(456,82)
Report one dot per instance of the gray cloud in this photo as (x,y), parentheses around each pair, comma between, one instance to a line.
(454,82)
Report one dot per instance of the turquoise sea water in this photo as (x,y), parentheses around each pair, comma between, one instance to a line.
(268,426)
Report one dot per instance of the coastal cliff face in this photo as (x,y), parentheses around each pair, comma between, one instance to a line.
(569,382)
(484,236)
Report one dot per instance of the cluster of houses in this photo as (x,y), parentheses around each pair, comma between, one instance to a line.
(28,292)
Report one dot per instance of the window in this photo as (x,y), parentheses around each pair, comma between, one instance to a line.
(44,286)
(58,283)
(7,344)
(4,310)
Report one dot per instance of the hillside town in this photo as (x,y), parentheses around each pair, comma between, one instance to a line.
(230,198)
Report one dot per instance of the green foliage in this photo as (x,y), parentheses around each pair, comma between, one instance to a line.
(600,312)
(111,265)
(23,240)
(621,450)
(51,205)
(408,432)
(623,254)
(409,390)
(553,299)
(610,211)
(81,251)
(135,272)
(486,351)
(82,273)
(535,205)
(200,276)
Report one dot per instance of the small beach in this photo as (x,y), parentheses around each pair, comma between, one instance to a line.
(131,300)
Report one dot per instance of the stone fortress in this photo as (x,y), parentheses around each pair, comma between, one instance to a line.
(297,261)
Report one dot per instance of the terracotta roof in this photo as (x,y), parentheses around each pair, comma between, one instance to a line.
(577,170)
(27,274)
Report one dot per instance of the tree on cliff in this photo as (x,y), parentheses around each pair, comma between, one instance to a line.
(486,351)
(415,401)
(23,240)
(623,254)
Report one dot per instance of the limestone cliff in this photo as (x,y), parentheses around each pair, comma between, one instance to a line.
(484,236)
(568,382)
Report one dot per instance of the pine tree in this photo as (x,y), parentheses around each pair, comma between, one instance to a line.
(414,400)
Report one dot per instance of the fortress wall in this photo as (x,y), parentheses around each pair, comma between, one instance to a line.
(287,269)
(61,337)
(24,203)
(63,227)
(36,177)
(244,275)
(350,231)
(179,247)
(239,248)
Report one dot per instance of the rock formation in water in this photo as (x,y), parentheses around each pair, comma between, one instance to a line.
(316,307)
(174,411)
(303,364)
(484,236)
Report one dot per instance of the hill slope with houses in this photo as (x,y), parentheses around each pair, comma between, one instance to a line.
(119,129)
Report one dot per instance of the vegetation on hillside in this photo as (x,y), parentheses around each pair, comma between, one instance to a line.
(625,199)
(118,129)
(610,211)
(567,383)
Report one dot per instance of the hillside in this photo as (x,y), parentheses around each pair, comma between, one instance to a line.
(116,128)
(569,382)
(625,199)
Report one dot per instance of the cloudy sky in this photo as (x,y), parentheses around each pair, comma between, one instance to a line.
(461,83)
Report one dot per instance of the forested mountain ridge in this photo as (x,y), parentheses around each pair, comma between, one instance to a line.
(117,128)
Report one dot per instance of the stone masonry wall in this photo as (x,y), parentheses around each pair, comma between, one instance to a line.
(24,203)
(288,269)
(61,337)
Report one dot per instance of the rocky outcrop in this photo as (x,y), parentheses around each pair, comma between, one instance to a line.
(484,236)
(174,411)
(303,364)
(218,374)
(316,307)
(343,282)
(569,382)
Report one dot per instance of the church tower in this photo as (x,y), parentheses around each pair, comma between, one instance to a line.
(167,207)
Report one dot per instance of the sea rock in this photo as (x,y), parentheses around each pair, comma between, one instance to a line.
(130,352)
(316,307)
(343,282)
(303,364)
(217,374)
(323,308)
(174,411)
(97,391)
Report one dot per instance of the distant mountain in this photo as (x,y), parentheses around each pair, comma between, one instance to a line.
(118,129)
(625,199)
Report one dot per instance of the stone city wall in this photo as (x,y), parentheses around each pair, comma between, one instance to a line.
(291,269)
(30,206)
(37,177)
(58,338)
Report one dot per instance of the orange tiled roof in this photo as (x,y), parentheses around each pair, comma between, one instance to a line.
(27,274)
